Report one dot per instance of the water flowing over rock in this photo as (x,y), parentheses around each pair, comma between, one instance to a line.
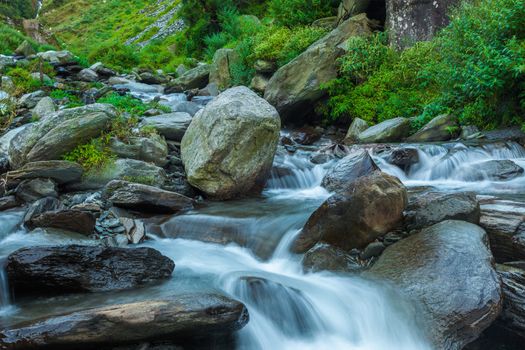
(146,198)
(181,319)
(392,130)
(442,128)
(59,133)
(498,170)
(430,208)
(74,269)
(296,86)
(356,215)
(448,269)
(348,169)
(411,21)
(172,126)
(229,147)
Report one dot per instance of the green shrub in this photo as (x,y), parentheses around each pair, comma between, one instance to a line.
(292,13)
(23,81)
(92,156)
(115,55)
(125,103)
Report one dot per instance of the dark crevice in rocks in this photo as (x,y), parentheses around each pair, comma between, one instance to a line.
(376,10)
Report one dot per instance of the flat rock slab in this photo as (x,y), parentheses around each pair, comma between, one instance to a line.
(179,319)
(60,171)
(448,270)
(75,268)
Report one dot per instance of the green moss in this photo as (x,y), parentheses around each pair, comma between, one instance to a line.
(93,156)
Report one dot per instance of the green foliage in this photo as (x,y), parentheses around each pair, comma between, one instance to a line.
(300,12)
(125,103)
(474,68)
(18,8)
(7,112)
(92,156)
(71,100)
(116,55)
(23,80)
(11,38)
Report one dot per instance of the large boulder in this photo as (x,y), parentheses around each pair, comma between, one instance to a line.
(513,316)
(229,146)
(429,208)
(504,222)
(75,268)
(172,126)
(296,86)
(448,270)
(220,68)
(348,169)
(442,128)
(356,127)
(60,171)
(411,21)
(195,78)
(391,130)
(180,319)
(356,215)
(149,149)
(43,108)
(146,198)
(60,133)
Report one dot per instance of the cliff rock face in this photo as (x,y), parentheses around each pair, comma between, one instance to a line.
(409,21)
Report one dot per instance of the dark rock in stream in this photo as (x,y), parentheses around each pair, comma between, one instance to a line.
(348,169)
(75,268)
(35,189)
(448,270)
(495,170)
(324,257)
(404,158)
(8,202)
(513,316)
(69,219)
(184,319)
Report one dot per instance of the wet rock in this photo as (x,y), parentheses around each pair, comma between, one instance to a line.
(172,126)
(153,79)
(469,132)
(321,158)
(306,135)
(496,170)
(229,147)
(504,222)
(43,108)
(182,319)
(348,169)
(31,100)
(513,315)
(145,198)
(41,206)
(373,250)
(357,127)
(149,149)
(356,215)
(8,202)
(296,87)
(448,269)
(101,70)
(220,67)
(195,78)
(57,57)
(324,257)
(392,130)
(67,219)
(60,133)
(404,158)
(187,107)
(442,128)
(75,268)
(60,171)
(429,208)
(88,75)
(34,189)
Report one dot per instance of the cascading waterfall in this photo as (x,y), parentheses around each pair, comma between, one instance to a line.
(5,297)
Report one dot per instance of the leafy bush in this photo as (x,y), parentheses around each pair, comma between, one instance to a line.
(116,55)
(125,103)
(92,156)
(11,38)
(292,13)
(23,80)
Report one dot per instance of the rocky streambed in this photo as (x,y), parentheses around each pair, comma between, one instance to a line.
(221,230)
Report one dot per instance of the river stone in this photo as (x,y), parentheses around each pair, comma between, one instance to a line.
(229,146)
(404,158)
(75,268)
(41,206)
(67,219)
(196,78)
(145,198)
(172,126)
(60,133)
(495,170)
(408,22)
(356,215)
(220,67)
(25,49)
(513,315)
(148,149)
(57,57)
(448,270)
(34,189)
(88,75)
(102,70)
(429,208)
(187,319)
(296,87)
(504,222)
(348,169)
(43,108)
(60,171)
(30,100)
(187,107)
(391,130)
(8,202)
(442,128)
(358,126)
(324,257)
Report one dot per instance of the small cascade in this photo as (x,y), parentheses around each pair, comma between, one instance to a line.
(5,294)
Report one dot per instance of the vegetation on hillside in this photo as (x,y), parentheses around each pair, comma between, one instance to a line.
(18,8)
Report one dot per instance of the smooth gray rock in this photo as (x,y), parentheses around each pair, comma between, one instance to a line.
(60,171)
(148,149)
(356,127)
(220,68)
(88,75)
(43,108)
(229,146)
(34,189)
(442,128)
(448,270)
(30,100)
(57,57)
(195,78)
(513,283)
(172,126)
(495,170)
(391,130)
(348,169)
